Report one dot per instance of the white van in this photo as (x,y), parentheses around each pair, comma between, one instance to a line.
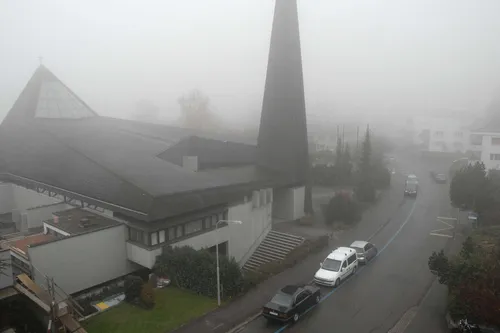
(339,264)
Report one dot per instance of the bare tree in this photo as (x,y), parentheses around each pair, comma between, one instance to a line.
(195,111)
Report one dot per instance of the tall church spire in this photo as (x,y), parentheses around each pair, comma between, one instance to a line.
(282,142)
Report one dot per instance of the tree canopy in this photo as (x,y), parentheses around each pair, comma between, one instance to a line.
(473,280)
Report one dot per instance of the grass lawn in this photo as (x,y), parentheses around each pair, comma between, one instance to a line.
(173,308)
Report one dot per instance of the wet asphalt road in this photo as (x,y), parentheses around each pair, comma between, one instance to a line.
(394,283)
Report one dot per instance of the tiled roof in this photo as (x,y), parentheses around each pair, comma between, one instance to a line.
(22,244)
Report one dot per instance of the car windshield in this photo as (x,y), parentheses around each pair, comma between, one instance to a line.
(411,184)
(358,249)
(282,299)
(331,265)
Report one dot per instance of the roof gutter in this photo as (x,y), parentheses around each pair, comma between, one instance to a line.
(62,191)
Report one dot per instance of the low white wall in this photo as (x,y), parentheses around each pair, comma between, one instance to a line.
(36,216)
(244,238)
(80,262)
(142,256)
(7,203)
(24,198)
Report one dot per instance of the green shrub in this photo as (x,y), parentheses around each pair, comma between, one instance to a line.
(196,270)
(147,296)
(133,286)
(342,207)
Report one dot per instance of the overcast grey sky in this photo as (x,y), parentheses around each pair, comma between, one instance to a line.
(359,56)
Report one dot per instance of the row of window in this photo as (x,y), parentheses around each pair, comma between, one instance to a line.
(495,157)
(176,232)
(440,134)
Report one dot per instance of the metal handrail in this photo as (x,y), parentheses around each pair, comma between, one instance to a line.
(61,293)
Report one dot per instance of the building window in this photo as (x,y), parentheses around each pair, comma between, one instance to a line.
(154,238)
(193,226)
(495,157)
(214,220)
(135,235)
(458,134)
(495,141)
(439,134)
(263,197)
(171,233)
(269,195)
(178,233)
(161,235)
(207,223)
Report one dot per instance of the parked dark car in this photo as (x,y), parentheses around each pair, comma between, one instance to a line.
(411,188)
(290,302)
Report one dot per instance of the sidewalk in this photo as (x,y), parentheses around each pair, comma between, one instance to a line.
(432,309)
(248,305)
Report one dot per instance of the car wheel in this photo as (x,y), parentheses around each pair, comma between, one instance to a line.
(295,317)
(337,282)
(317,299)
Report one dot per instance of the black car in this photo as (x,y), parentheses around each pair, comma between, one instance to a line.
(290,302)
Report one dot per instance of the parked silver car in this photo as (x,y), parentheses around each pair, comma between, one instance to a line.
(365,251)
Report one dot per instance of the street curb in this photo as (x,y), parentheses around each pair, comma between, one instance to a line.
(241,325)
(251,318)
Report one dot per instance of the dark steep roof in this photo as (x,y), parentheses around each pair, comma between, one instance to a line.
(115,163)
(211,153)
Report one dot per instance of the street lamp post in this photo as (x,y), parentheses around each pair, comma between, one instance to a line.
(217,253)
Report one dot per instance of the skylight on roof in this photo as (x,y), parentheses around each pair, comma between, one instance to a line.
(56,101)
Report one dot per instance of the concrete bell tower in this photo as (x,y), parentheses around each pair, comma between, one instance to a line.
(282,142)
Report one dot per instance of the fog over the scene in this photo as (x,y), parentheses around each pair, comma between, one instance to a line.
(359,57)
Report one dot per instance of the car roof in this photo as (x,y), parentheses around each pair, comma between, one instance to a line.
(290,289)
(359,244)
(341,253)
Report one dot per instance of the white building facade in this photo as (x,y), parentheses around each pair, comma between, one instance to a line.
(487,148)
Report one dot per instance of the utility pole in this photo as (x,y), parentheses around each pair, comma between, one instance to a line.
(357,137)
(343,137)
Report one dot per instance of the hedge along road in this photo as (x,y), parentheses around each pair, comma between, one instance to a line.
(380,293)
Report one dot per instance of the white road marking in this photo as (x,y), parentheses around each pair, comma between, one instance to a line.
(442,232)
(403,323)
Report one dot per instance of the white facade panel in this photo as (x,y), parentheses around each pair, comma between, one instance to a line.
(83,261)
(490,151)
(289,203)
(142,256)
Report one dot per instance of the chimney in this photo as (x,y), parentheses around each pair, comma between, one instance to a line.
(190,163)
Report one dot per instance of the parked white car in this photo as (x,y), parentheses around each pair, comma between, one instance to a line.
(338,266)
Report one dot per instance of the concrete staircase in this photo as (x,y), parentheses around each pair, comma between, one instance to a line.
(274,247)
